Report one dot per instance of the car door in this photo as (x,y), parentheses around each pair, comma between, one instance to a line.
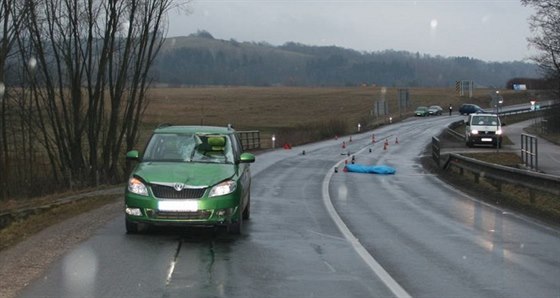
(243,170)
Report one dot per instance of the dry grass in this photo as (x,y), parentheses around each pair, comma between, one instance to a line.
(290,110)
(21,229)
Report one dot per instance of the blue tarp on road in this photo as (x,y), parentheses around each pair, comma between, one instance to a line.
(383,170)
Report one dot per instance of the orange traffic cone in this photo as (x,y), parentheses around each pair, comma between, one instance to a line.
(386,144)
(343,145)
(396,140)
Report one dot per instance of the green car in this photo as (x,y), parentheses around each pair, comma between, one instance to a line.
(421,111)
(190,176)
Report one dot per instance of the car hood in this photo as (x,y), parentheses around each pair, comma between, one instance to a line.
(192,174)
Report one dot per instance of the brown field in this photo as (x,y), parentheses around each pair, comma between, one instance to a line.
(291,113)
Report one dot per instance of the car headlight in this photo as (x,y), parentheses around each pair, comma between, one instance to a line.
(136,186)
(223,188)
(474,132)
(499,132)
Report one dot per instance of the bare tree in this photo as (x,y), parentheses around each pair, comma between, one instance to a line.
(88,83)
(12,13)
(545,25)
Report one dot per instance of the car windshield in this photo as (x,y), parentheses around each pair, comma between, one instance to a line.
(207,148)
(485,120)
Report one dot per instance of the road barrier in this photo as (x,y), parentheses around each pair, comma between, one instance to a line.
(529,151)
(436,149)
(250,139)
(502,174)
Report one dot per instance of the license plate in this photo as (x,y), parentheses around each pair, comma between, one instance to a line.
(178,205)
(486,139)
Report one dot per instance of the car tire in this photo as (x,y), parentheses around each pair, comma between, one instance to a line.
(235,227)
(131,227)
(247,211)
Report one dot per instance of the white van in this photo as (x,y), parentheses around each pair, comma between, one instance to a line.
(483,129)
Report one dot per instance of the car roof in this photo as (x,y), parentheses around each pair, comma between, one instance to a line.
(192,129)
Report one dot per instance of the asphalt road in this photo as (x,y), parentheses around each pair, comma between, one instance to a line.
(317,233)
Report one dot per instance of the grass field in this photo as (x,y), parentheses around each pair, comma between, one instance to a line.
(298,115)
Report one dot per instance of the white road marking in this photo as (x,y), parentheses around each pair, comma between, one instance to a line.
(383,275)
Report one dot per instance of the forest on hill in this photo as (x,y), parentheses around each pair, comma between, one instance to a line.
(200,59)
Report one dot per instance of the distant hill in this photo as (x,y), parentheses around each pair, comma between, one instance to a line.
(200,59)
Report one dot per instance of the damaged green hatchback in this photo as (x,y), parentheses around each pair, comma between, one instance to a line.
(190,175)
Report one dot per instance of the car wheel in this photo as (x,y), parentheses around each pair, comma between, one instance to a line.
(131,227)
(235,227)
(247,211)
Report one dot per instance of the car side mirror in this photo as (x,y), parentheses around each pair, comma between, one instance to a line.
(132,155)
(247,158)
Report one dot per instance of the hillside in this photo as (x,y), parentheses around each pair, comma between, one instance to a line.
(200,59)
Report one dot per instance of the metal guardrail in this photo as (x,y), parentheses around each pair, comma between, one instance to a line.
(526,110)
(529,179)
(436,149)
(529,151)
(250,139)
(532,180)
(451,130)
(9,216)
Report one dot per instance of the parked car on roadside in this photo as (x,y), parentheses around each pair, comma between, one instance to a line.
(435,110)
(469,108)
(189,176)
(421,111)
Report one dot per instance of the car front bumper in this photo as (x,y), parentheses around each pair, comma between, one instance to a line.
(215,211)
(485,139)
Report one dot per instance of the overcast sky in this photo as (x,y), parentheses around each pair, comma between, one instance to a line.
(491,30)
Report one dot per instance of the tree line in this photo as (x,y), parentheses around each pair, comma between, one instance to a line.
(200,59)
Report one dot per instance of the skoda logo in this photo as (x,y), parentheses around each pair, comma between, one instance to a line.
(179,186)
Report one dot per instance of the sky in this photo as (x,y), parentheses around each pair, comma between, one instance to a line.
(490,30)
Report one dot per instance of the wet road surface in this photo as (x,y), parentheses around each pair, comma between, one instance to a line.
(429,239)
